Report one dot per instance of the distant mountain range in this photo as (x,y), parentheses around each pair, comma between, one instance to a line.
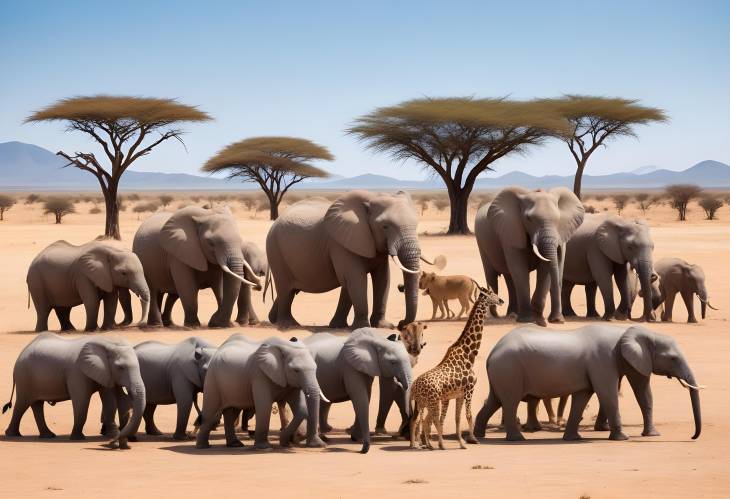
(27,166)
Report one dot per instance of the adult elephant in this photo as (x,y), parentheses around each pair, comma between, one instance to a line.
(687,279)
(346,367)
(606,247)
(317,246)
(189,250)
(531,364)
(245,374)
(64,275)
(521,231)
(54,369)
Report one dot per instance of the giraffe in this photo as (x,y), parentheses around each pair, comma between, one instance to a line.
(452,378)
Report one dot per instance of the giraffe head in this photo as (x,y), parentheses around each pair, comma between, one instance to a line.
(488,297)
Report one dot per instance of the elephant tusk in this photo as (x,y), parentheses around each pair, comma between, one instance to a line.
(245,264)
(537,252)
(402,267)
(707,302)
(323,398)
(688,386)
(243,280)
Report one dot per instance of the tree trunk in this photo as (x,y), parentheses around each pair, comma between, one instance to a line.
(273,209)
(58,218)
(111,223)
(459,199)
(578,180)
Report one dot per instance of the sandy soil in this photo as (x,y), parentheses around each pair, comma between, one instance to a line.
(543,466)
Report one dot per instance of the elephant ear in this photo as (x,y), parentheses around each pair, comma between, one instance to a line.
(271,362)
(505,212)
(636,349)
(571,212)
(95,266)
(94,363)
(347,222)
(179,237)
(191,367)
(608,235)
(361,353)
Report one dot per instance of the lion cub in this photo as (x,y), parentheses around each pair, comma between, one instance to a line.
(442,288)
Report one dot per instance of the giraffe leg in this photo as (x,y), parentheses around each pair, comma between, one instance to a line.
(439,426)
(471,438)
(444,408)
(415,427)
(431,417)
(459,404)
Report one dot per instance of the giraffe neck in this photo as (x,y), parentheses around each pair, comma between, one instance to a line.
(470,339)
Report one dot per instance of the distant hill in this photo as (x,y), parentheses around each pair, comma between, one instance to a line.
(27,166)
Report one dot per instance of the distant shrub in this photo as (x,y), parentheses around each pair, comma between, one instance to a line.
(710,203)
(679,196)
(619,202)
(133,197)
(165,200)
(6,202)
(147,207)
(95,210)
(645,201)
(441,203)
(589,209)
(59,207)
(32,198)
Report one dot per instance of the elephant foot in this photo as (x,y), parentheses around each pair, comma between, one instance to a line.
(90,329)
(264,445)
(380,430)
(111,430)
(253,322)
(325,428)
(338,323)
(358,323)
(153,431)
(383,324)
(108,327)
(540,321)
(234,443)
(650,432)
(125,323)
(556,319)
(287,324)
(572,436)
(316,442)
(511,314)
(202,445)
(569,313)
(192,323)
(515,437)
(601,426)
(608,317)
(12,433)
(532,427)
(132,438)
(77,436)
(365,448)
(618,435)
(592,314)
(471,439)
(47,434)
(219,324)
(692,320)
(620,316)
(68,329)
(176,436)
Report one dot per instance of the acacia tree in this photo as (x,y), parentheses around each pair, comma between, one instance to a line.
(6,202)
(619,202)
(458,138)
(710,203)
(274,163)
(680,195)
(126,128)
(59,207)
(595,120)
(645,201)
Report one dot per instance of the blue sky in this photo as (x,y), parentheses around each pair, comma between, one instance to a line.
(308,68)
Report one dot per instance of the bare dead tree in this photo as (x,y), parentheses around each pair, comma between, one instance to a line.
(274,163)
(126,128)
(679,196)
(457,139)
(594,120)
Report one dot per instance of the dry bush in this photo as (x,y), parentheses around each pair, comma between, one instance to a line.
(710,203)
(6,202)
(133,197)
(32,198)
(481,199)
(147,207)
(165,200)
(619,201)
(59,207)
(679,196)
(441,202)
(589,208)
(95,210)
(644,201)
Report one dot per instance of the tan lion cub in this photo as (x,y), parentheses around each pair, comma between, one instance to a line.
(442,288)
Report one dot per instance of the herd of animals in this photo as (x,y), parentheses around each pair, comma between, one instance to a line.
(317,246)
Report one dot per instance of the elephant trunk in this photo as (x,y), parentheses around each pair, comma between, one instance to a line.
(644,271)
(231,262)
(140,289)
(311,395)
(409,257)
(694,396)
(139,402)
(547,244)
(704,300)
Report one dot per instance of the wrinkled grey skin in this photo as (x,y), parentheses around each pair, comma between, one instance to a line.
(512,230)
(600,250)
(173,374)
(54,369)
(245,374)
(63,276)
(528,364)
(346,366)
(246,315)
(317,246)
(679,276)
(187,251)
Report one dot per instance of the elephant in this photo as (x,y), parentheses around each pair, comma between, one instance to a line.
(189,250)
(53,369)
(679,276)
(346,366)
(63,276)
(246,314)
(531,364)
(245,374)
(173,374)
(600,249)
(317,246)
(521,231)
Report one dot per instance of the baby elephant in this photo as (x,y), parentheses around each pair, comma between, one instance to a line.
(173,374)
(63,276)
(678,276)
(441,289)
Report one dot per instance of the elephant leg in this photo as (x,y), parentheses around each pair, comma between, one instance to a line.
(125,300)
(358,390)
(110,310)
(577,406)
(230,414)
(109,408)
(344,304)
(381,284)
(149,420)
(170,301)
(273,311)
(542,286)
(607,393)
(509,415)
(512,295)
(355,280)
(561,409)
(602,272)
(40,420)
(520,274)
(64,317)
(19,408)
(491,405)
(263,419)
(471,438)
(154,318)
(548,403)
(187,289)
(284,317)
(642,391)
(42,310)
(493,282)
(90,298)
(590,289)
(621,276)
(601,423)
(80,403)
(566,292)
(688,298)
(184,406)
(532,423)
(324,411)
(387,397)
(298,405)
(243,306)
(670,295)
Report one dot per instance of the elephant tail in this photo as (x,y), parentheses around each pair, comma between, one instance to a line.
(199,419)
(28,298)
(9,405)
(268,284)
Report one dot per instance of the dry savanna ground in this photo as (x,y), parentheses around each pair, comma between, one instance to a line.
(543,466)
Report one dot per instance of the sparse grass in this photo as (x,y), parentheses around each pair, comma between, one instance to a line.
(482,467)
(415,481)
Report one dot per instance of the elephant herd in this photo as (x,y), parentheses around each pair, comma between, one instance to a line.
(317,246)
